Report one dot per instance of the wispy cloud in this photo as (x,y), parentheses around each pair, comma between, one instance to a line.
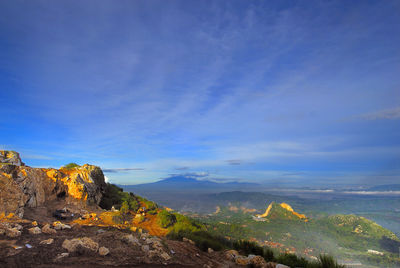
(116,170)
(390,114)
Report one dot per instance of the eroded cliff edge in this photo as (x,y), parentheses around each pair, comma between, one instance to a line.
(22,186)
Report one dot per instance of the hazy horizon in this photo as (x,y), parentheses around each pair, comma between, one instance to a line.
(296,92)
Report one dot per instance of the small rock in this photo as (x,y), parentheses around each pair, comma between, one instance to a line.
(231,255)
(131,240)
(47,242)
(60,226)
(35,230)
(172,252)
(18,227)
(242,260)
(145,248)
(47,230)
(197,255)
(28,245)
(61,256)
(103,251)
(188,240)
(165,256)
(13,232)
(210,250)
(281,266)
(257,261)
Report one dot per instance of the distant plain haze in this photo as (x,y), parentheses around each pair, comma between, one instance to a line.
(295,92)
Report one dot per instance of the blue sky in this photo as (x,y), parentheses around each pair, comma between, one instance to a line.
(302,92)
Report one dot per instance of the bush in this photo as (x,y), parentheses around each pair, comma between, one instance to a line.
(166,219)
(115,196)
(326,261)
(71,166)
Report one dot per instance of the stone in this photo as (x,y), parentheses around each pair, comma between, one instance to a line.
(47,241)
(103,251)
(242,260)
(165,256)
(210,250)
(230,255)
(145,248)
(35,230)
(60,226)
(257,261)
(77,244)
(47,230)
(188,241)
(281,266)
(130,239)
(13,232)
(18,227)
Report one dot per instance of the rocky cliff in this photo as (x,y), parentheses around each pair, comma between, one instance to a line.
(22,186)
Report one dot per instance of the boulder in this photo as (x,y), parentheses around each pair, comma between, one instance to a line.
(231,255)
(257,261)
(35,230)
(80,245)
(242,260)
(13,232)
(103,251)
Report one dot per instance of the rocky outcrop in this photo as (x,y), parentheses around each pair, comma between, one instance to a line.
(11,158)
(22,186)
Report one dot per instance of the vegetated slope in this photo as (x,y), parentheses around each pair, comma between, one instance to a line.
(347,237)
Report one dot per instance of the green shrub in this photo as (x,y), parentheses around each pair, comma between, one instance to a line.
(71,166)
(115,196)
(326,261)
(166,219)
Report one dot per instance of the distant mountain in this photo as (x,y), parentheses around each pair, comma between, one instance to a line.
(186,184)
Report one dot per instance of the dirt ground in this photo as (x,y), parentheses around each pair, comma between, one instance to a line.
(122,254)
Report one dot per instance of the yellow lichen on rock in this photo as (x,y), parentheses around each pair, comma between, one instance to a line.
(266,212)
(285,206)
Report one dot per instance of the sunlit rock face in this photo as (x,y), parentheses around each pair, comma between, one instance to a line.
(10,157)
(23,186)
